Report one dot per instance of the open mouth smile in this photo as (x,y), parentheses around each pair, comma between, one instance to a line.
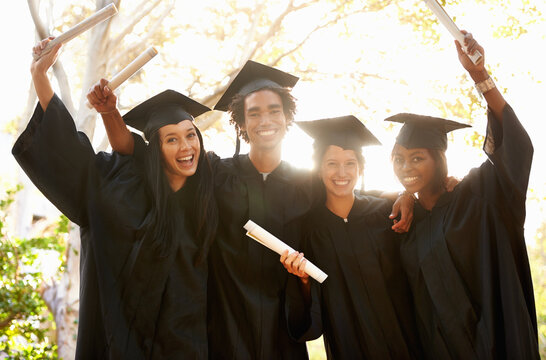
(341,182)
(186,161)
(409,180)
(266,132)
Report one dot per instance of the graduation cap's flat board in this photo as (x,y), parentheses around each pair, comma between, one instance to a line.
(165,108)
(420,131)
(254,76)
(346,132)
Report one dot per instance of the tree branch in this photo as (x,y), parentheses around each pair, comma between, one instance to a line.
(137,17)
(4,323)
(273,29)
(143,40)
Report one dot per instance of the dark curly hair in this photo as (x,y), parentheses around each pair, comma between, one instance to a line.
(237,109)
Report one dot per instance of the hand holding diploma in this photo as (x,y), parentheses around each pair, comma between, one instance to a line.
(102,98)
(465,49)
(39,68)
(448,23)
(295,264)
(125,73)
(101,15)
(268,240)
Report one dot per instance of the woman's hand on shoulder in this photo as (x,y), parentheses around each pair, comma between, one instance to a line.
(403,206)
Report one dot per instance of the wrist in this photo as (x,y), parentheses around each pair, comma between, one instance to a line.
(485,85)
(405,192)
(109,112)
(39,74)
(479,76)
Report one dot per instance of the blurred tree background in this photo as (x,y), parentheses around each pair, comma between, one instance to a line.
(368,58)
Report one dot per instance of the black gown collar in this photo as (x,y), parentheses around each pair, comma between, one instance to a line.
(281,172)
(444,200)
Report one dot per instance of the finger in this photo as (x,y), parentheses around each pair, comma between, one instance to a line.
(301,268)
(290,259)
(97,93)
(404,215)
(472,46)
(459,48)
(284,255)
(91,97)
(395,210)
(100,93)
(299,260)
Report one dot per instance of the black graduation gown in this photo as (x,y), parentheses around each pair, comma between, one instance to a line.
(132,304)
(363,309)
(467,262)
(246,279)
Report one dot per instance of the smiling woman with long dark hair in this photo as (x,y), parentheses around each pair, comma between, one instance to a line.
(145,230)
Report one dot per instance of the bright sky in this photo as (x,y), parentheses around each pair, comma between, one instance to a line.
(521,72)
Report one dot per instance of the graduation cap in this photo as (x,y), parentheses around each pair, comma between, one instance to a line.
(346,132)
(420,131)
(168,107)
(253,77)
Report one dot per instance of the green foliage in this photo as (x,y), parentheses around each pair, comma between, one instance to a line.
(25,322)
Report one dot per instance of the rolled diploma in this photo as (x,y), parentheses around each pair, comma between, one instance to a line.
(98,17)
(448,23)
(130,69)
(267,239)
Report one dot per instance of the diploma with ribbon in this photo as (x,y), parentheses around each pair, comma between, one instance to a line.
(268,240)
(448,23)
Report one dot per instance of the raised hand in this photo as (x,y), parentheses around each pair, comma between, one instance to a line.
(102,98)
(471,47)
(42,64)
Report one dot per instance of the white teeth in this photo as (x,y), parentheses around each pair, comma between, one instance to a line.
(341,182)
(410,179)
(187,158)
(266,132)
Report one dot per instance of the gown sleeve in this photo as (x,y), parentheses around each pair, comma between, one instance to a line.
(304,320)
(57,158)
(503,179)
(63,165)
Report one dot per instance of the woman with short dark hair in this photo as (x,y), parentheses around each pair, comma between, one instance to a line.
(465,256)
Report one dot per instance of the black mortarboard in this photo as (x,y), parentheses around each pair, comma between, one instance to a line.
(252,77)
(420,131)
(346,132)
(168,107)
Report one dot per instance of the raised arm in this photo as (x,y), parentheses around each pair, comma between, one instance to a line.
(39,68)
(104,101)
(478,73)
(507,145)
